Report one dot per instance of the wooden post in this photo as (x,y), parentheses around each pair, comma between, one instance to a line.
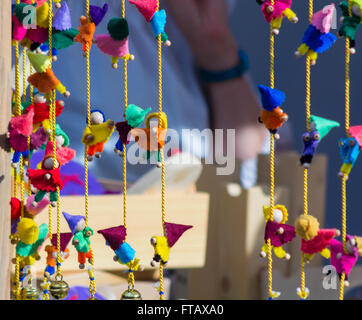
(5,107)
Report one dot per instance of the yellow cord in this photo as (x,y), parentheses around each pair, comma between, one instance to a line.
(163,205)
(125,87)
(272,168)
(344,178)
(304,294)
(92,285)
(17,110)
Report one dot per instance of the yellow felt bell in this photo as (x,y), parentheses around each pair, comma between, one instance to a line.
(59,289)
(131,294)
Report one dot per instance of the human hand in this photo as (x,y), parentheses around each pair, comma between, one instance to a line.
(205,25)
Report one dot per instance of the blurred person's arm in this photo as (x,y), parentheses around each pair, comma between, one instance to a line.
(205,25)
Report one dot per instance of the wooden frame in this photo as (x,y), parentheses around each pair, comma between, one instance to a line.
(5,105)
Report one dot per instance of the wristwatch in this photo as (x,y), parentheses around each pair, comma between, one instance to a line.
(224,75)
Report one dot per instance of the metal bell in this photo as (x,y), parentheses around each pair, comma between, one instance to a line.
(29,293)
(131,294)
(59,289)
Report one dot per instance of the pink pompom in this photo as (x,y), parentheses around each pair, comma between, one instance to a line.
(40,206)
(114,48)
(38,2)
(19,32)
(24,123)
(279,7)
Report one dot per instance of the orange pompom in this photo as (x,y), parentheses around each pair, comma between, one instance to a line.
(44,81)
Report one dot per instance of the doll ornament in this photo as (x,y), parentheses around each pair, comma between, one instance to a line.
(115,44)
(317,38)
(52,252)
(320,127)
(272,116)
(314,240)
(46,180)
(124,253)
(163,244)
(350,23)
(277,231)
(345,261)
(41,111)
(20,129)
(152,138)
(88,26)
(156,19)
(97,134)
(44,79)
(81,235)
(349,149)
(274,13)
(134,117)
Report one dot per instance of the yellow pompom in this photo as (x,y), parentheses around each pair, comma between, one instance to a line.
(28,231)
(162,248)
(42,15)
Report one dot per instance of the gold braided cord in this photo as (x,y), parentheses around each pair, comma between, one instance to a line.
(17,111)
(163,206)
(31,87)
(125,88)
(272,165)
(92,285)
(305,171)
(24,74)
(344,178)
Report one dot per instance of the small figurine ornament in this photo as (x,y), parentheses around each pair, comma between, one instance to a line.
(272,115)
(134,117)
(163,244)
(350,23)
(320,127)
(274,13)
(52,252)
(97,134)
(20,129)
(63,34)
(317,38)
(152,138)
(31,237)
(46,180)
(88,26)
(41,111)
(64,153)
(44,79)
(277,231)
(349,149)
(81,235)
(156,19)
(124,253)
(314,240)
(345,261)
(115,44)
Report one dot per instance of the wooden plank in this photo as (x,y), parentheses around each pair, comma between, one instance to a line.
(143,221)
(5,107)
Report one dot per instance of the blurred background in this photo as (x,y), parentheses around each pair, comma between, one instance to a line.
(327,82)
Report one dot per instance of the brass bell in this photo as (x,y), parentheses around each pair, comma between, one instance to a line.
(131,294)
(59,289)
(29,293)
